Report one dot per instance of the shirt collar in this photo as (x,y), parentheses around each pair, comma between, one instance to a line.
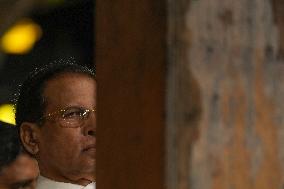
(46,183)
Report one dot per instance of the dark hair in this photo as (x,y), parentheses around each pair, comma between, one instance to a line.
(10,145)
(30,104)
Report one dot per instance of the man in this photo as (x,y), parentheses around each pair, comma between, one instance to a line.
(56,115)
(17,169)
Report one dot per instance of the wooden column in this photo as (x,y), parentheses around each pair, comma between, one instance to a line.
(131,63)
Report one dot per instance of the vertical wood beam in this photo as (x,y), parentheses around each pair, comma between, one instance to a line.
(131,64)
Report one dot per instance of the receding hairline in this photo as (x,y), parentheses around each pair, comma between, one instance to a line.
(63,75)
(68,73)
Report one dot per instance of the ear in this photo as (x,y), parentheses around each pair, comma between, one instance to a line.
(29,133)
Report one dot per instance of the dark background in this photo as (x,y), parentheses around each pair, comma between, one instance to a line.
(68,31)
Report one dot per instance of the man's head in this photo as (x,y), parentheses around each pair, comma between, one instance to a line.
(56,115)
(17,169)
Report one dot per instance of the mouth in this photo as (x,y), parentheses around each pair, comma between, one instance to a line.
(88,147)
(90,150)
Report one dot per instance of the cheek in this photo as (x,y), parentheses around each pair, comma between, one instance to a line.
(65,140)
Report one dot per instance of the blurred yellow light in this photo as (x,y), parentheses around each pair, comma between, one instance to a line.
(21,37)
(7,113)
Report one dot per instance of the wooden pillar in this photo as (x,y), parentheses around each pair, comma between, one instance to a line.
(131,64)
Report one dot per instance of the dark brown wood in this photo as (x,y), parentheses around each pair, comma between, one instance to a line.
(131,66)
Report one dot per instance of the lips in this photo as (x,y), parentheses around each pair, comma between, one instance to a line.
(90,147)
(90,150)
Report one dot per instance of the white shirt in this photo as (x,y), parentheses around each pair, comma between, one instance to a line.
(45,183)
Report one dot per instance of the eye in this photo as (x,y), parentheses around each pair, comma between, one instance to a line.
(72,113)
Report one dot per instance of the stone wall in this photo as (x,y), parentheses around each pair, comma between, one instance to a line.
(225,126)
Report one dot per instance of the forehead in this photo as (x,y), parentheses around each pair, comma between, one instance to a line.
(70,89)
(22,169)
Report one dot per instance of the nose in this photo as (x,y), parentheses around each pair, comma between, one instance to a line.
(90,125)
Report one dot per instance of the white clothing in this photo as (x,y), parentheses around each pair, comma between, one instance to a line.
(45,183)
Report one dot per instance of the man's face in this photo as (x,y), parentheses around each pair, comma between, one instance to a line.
(66,152)
(20,174)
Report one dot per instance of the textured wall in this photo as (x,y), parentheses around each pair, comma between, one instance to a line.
(231,52)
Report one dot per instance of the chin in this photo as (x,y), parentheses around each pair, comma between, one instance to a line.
(89,165)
